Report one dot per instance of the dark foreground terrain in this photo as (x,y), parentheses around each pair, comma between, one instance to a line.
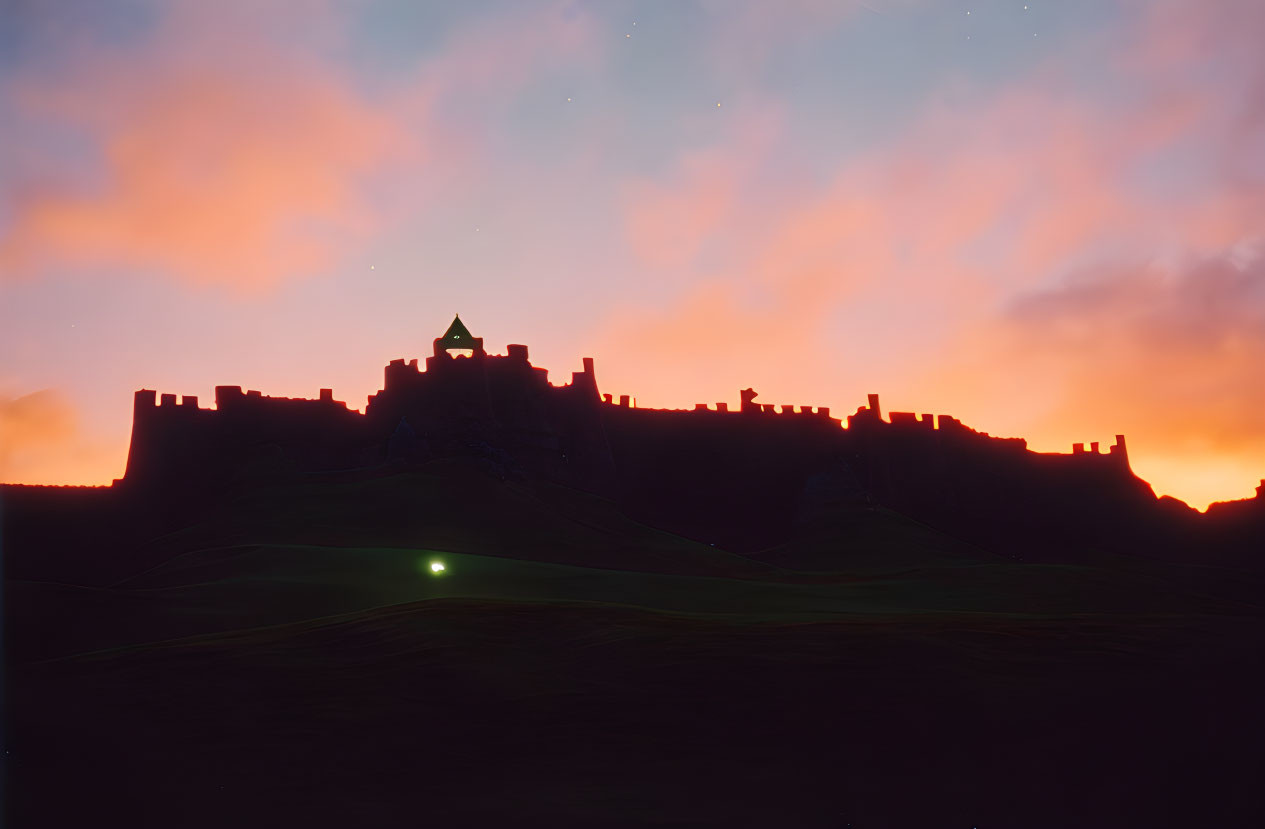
(286,657)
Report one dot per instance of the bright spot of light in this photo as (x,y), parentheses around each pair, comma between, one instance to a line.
(437,567)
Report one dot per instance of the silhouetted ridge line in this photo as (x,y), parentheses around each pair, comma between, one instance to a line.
(747,479)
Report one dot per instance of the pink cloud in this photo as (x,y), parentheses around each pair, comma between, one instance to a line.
(1169,350)
(232,154)
(667,223)
(1167,355)
(237,168)
(994,195)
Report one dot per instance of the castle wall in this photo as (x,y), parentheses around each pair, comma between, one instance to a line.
(245,433)
(707,472)
(466,404)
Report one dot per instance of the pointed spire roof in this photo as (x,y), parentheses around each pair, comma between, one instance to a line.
(457,335)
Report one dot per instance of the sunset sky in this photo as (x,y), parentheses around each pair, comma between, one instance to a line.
(1046,219)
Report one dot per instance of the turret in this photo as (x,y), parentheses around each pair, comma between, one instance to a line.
(143,401)
(1120,451)
(585,382)
(871,415)
(458,337)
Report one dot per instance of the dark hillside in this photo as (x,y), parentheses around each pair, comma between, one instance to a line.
(286,656)
(491,601)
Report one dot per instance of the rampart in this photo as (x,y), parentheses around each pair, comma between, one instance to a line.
(705,471)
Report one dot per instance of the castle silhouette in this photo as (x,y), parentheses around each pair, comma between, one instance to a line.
(243,610)
(743,479)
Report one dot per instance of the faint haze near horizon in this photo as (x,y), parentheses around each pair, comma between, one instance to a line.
(1046,219)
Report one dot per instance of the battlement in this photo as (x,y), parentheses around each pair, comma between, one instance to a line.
(585,381)
(491,398)
(910,420)
(870,416)
(867,416)
(1117,451)
(148,403)
(748,406)
(398,373)
(409,378)
(233,399)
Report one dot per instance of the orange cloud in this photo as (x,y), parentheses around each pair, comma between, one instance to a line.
(208,179)
(215,167)
(668,223)
(972,235)
(1198,331)
(1168,356)
(41,443)
(231,154)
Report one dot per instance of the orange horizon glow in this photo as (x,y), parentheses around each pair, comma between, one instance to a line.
(50,449)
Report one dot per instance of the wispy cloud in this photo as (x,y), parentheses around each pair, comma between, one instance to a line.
(229,151)
(1129,216)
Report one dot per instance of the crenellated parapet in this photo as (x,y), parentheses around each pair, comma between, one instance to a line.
(909,420)
(148,399)
(747,408)
(163,428)
(149,405)
(399,374)
(455,403)
(700,471)
(867,417)
(176,440)
(1117,454)
(232,399)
